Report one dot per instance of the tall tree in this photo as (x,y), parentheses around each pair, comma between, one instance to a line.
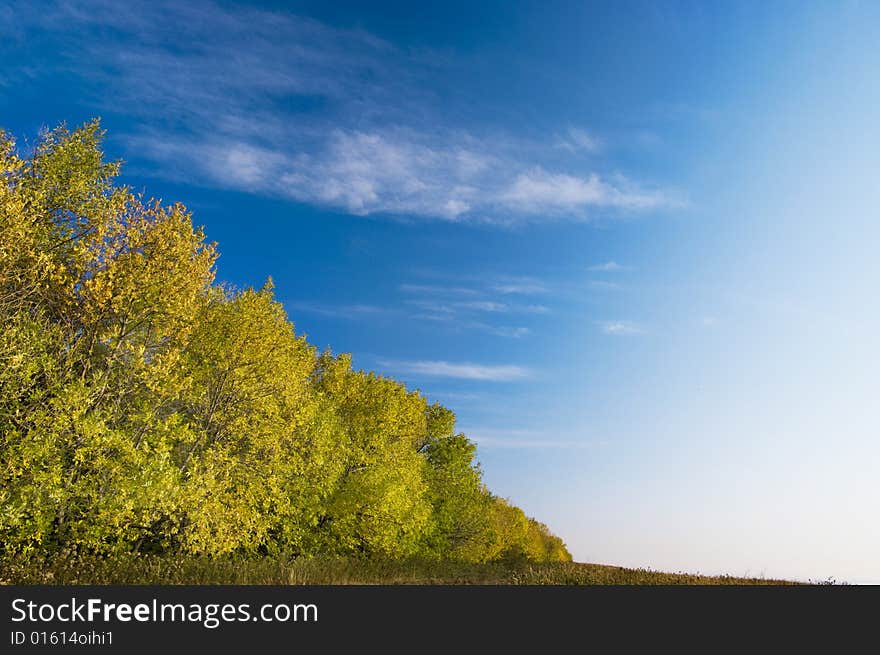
(144,407)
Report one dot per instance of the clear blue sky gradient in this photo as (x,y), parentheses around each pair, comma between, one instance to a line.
(633,245)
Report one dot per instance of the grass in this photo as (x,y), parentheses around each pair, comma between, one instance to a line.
(152,569)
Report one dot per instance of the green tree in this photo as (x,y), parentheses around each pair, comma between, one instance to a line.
(380,504)
(460,508)
(145,407)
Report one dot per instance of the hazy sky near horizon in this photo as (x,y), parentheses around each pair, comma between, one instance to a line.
(634,245)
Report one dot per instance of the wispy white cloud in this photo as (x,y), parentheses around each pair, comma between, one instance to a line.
(386,172)
(526,439)
(621,328)
(503,284)
(354,311)
(398,173)
(277,104)
(521,288)
(457,315)
(447,315)
(437,312)
(533,309)
(460,370)
(538,190)
(512,308)
(604,285)
(454,308)
(484,306)
(608,267)
(451,318)
(472,307)
(579,140)
(511,332)
(438,290)
(434,308)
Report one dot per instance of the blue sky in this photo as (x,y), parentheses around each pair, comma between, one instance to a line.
(633,245)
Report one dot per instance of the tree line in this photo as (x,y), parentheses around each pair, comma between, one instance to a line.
(145,407)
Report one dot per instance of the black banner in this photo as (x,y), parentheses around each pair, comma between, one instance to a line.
(169,619)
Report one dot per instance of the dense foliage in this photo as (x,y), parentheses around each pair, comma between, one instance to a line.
(145,408)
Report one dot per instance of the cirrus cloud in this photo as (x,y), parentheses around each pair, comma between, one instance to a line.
(282,105)
(458,370)
(621,328)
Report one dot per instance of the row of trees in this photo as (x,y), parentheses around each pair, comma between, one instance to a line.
(144,407)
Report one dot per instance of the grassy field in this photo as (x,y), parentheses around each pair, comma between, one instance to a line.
(326,571)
